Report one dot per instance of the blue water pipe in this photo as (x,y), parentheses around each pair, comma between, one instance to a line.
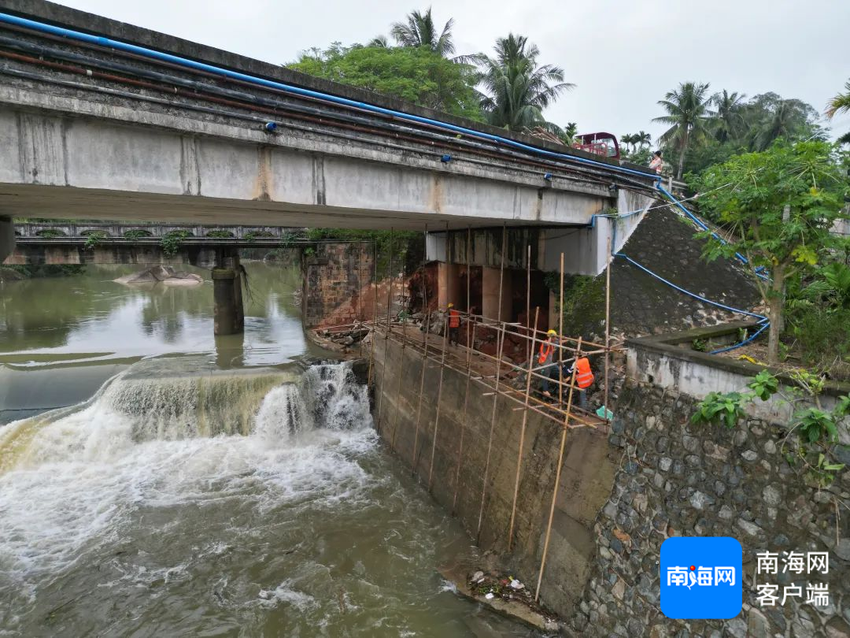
(295,90)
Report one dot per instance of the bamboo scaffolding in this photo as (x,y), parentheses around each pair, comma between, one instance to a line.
(560,335)
(522,436)
(496,395)
(529,351)
(557,483)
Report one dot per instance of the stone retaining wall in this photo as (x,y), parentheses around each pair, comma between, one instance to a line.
(677,479)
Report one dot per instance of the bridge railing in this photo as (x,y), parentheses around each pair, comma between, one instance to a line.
(81,230)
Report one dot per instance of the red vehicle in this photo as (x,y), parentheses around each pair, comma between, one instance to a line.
(603,144)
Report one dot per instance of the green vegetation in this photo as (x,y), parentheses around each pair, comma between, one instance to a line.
(517,89)
(172,241)
(779,206)
(420,31)
(50,233)
(418,75)
(817,428)
(258,234)
(220,234)
(93,238)
(687,115)
(137,233)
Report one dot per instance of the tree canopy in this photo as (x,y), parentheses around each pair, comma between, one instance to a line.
(779,206)
(420,31)
(416,74)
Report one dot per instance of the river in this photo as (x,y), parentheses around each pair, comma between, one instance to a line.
(200,486)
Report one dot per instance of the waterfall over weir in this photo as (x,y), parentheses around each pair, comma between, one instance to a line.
(168,400)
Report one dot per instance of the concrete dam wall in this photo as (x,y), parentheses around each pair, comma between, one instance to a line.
(586,479)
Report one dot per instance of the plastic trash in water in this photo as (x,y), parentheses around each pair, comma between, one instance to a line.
(604,413)
(489,596)
(515,584)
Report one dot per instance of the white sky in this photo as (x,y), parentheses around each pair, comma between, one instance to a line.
(623,56)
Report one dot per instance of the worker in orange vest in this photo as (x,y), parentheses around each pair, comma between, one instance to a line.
(584,375)
(454,324)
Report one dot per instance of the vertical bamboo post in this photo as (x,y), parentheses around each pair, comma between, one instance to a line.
(463,417)
(401,361)
(360,292)
(560,338)
(607,324)
(528,349)
(424,365)
(496,392)
(387,335)
(557,476)
(469,343)
(442,366)
(522,430)
(374,311)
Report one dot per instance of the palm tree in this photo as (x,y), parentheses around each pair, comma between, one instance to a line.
(420,31)
(379,42)
(687,113)
(628,140)
(517,89)
(642,138)
(727,120)
(840,103)
(784,122)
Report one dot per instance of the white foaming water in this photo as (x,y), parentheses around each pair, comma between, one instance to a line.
(74,483)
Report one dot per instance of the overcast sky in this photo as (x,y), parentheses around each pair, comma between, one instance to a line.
(622,56)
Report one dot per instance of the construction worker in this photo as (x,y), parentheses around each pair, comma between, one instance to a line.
(454,324)
(584,379)
(584,376)
(545,357)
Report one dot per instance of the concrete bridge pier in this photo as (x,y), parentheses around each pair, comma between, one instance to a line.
(228,313)
(7,238)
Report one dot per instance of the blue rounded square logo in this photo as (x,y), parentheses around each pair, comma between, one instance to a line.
(701,578)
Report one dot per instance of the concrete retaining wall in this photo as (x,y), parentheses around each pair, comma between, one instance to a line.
(586,478)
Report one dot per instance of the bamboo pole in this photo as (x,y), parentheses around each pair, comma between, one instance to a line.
(387,335)
(557,483)
(424,364)
(522,438)
(496,395)
(560,336)
(607,324)
(374,311)
(529,350)
(401,362)
(442,367)
(463,418)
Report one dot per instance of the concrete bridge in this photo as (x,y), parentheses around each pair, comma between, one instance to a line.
(105,243)
(103,120)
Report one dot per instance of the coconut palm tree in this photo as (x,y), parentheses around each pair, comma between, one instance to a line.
(380,42)
(420,31)
(642,139)
(840,103)
(727,118)
(687,114)
(628,140)
(517,90)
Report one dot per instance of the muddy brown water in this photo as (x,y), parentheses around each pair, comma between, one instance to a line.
(156,509)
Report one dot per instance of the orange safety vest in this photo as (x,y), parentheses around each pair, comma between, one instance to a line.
(546,349)
(584,377)
(454,318)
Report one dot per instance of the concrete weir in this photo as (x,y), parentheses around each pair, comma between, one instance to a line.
(586,478)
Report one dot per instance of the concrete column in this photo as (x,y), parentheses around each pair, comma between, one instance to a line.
(448,284)
(227,312)
(490,294)
(7,238)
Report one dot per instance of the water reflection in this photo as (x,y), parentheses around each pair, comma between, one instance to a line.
(89,321)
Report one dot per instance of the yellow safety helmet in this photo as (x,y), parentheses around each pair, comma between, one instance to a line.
(551,333)
(451,305)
